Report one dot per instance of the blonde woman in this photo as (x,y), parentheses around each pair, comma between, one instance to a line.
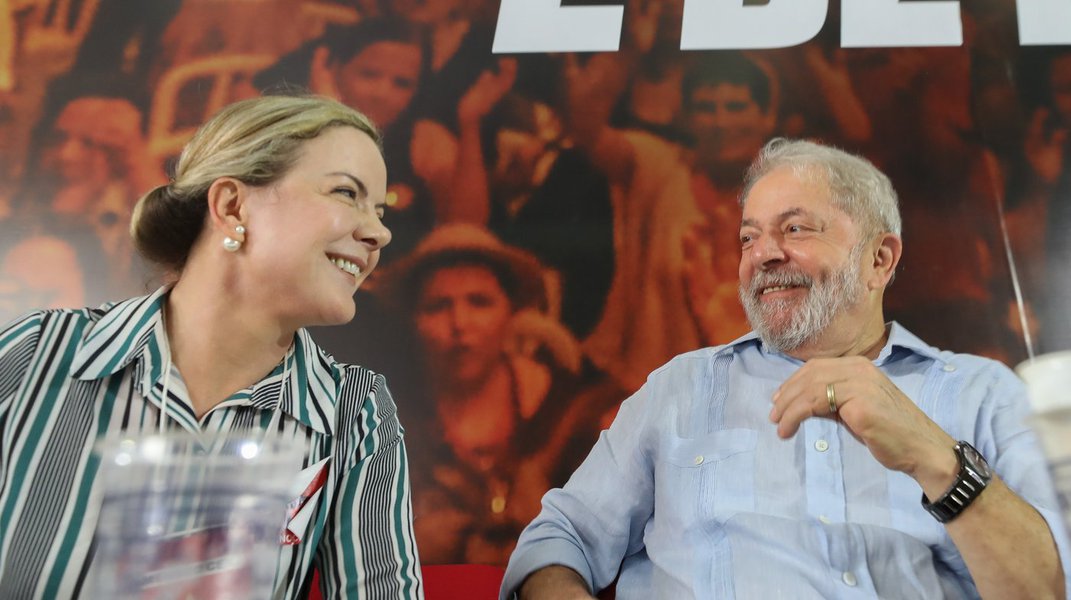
(270,225)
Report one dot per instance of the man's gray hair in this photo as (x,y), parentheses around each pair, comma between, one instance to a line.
(855,185)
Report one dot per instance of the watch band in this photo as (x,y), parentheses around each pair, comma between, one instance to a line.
(973,477)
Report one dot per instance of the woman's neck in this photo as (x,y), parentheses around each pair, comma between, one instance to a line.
(218,343)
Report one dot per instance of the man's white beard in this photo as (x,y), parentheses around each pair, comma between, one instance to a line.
(825,298)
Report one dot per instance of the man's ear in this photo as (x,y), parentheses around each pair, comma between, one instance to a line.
(226,207)
(886,256)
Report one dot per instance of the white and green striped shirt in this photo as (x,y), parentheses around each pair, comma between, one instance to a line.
(71,377)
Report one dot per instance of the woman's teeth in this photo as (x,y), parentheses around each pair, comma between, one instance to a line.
(347,266)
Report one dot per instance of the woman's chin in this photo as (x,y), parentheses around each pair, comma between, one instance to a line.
(336,315)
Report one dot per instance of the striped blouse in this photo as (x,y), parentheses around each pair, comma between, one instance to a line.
(71,377)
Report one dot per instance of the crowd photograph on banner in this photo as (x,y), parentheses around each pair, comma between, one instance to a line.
(555,226)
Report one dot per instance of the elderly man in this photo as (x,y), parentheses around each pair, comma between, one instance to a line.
(791,462)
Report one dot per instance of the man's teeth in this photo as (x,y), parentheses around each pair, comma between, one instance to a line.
(347,266)
(775,289)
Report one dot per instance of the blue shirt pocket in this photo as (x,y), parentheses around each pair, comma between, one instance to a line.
(707,478)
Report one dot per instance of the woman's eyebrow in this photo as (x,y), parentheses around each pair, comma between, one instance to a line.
(362,189)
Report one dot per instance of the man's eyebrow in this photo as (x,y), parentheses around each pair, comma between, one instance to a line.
(362,189)
(792,212)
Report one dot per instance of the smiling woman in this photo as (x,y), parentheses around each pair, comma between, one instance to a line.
(271,223)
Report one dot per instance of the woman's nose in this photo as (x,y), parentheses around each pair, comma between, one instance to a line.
(373,232)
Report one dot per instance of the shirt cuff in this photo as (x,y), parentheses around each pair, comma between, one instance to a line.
(544,553)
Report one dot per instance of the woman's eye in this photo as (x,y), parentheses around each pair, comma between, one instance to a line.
(347,192)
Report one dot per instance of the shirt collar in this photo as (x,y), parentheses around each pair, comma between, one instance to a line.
(133,331)
(124,332)
(899,337)
(314,381)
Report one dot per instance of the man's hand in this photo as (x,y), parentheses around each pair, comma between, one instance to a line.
(898,434)
(554,582)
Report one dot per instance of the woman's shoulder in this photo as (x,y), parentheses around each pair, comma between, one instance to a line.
(358,378)
(34,322)
(57,332)
(355,388)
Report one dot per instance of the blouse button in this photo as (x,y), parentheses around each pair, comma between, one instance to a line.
(699,460)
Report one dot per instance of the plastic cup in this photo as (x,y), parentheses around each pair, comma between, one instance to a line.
(1048,378)
(183,521)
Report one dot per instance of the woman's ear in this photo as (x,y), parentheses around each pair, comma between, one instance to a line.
(226,207)
(886,257)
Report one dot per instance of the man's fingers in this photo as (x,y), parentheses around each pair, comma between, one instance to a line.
(809,393)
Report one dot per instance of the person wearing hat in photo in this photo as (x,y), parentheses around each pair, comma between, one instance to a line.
(497,383)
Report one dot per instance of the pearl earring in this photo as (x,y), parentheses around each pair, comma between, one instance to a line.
(232,245)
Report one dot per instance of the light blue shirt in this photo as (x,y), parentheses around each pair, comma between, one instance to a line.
(691,494)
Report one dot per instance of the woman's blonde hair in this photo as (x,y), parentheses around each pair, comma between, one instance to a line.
(255,141)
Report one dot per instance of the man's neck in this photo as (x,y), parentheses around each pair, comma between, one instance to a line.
(837,342)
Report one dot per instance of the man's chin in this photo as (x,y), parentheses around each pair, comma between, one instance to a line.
(780,341)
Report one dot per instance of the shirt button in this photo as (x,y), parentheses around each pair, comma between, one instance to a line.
(821,445)
(848,579)
(699,460)
(948,368)
(824,519)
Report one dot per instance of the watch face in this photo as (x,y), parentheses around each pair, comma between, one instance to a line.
(975,462)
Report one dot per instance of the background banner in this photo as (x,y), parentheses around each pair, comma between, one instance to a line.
(563,186)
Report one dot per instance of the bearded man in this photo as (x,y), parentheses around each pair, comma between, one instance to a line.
(827,454)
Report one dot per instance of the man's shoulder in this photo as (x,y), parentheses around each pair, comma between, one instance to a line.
(977,365)
(692,362)
(946,360)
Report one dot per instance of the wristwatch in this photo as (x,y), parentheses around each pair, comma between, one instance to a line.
(974,475)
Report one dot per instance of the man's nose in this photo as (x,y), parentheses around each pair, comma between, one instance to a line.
(766,251)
